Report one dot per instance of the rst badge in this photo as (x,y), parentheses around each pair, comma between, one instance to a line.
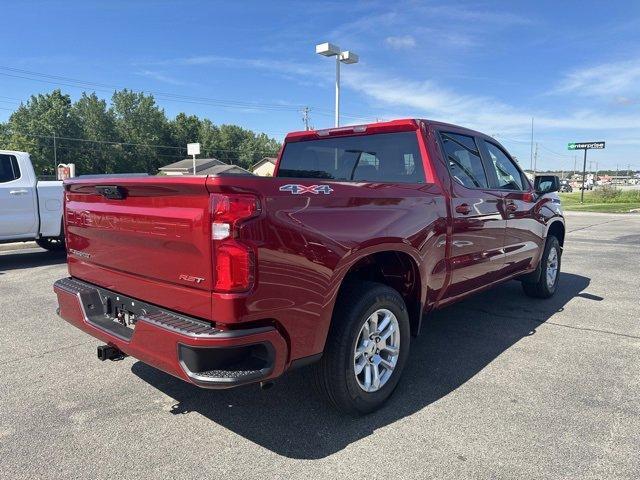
(191,278)
(296,189)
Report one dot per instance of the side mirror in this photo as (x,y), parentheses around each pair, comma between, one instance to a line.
(546,184)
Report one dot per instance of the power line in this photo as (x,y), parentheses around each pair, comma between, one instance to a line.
(555,153)
(134,144)
(76,83)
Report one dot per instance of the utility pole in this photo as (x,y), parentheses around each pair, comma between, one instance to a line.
(305,117)
(617,173)
(628,170)
(535,161)
(584,173)
(574,164)
(595,177)
(531,158)
(55,155)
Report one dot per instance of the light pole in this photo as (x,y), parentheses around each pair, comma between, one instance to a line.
(330,50)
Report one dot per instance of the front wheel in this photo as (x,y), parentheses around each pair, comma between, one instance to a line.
(366,350)
(547,283)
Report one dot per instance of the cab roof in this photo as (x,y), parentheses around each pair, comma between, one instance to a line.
(399,125)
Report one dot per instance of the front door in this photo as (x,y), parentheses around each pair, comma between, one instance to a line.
(18,217)
(524,234)
(478,222)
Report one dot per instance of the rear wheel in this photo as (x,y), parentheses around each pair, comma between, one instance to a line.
(51,243)
(366,350)
(547,282)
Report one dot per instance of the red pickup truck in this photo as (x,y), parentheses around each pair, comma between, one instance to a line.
(228,280)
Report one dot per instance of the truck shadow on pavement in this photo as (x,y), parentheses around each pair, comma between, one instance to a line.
(456,343)
(23,259)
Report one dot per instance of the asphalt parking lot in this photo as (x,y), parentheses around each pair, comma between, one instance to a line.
(498,386)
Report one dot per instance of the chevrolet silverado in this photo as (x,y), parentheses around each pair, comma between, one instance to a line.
(227,280)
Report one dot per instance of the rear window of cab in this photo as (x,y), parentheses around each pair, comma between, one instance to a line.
(383,157)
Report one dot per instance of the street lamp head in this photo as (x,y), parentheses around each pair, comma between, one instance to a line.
(348,57)
(327,49)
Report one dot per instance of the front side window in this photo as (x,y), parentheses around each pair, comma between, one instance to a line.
(383,157)
(463,159)
(9,169)
(509,177)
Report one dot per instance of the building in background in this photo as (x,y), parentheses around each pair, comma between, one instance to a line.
(264,167)
(204,166)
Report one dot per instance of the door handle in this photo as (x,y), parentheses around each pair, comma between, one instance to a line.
(18,192)
(511,206)
(464,209)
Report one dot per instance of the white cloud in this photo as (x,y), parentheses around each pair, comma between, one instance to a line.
(426,98)
(160,77)
(406,41)
(618,79)
(474,14)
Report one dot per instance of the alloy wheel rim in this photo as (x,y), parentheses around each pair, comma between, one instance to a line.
(376,350)
(552,267)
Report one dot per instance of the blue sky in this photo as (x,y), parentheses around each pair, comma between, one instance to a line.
(573,66)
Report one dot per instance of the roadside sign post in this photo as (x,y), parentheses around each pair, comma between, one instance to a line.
(193,149)
(585,146)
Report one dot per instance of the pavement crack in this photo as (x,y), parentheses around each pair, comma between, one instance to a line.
(596,330)
(47,352)
(540,321)
(596,224)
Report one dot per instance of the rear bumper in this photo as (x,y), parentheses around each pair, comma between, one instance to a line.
(188,348)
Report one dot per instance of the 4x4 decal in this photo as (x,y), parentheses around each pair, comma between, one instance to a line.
(296,189)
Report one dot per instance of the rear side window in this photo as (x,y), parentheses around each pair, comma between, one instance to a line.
(509,177)
(9,169)
(384,157)
(463,159)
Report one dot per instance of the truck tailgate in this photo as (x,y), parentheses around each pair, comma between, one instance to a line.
(152,227)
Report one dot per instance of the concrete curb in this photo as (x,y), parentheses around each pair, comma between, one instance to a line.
(7,247)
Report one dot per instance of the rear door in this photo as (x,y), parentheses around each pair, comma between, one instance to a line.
(524,234)
(18,213)
(478,220)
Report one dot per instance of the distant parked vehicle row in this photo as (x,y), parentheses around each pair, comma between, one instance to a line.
(29,209)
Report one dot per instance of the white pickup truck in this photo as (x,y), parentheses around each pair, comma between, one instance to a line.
(29,209)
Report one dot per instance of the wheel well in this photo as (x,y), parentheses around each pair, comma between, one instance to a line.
(557,230)
(396,270)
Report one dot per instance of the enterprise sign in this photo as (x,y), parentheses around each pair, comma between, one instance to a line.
(585,146)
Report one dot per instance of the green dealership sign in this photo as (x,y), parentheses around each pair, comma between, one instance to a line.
(585,145)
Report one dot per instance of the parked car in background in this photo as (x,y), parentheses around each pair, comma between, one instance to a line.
(228,280)
(565,186)
(29,209)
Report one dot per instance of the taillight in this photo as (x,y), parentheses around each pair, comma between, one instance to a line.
(233,260)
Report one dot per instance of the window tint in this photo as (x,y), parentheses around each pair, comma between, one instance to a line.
(509,176)
(385,157)
(464,160)
(8,168)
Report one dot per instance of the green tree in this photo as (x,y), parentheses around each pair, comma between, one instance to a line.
(209,137)
(185,129)
(4,135)
(97,124)
(132,134)
(33,125)
(140,121)
(230,140)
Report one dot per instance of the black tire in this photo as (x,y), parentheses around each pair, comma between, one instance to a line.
(53,244)
(334,375)
(541,288)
